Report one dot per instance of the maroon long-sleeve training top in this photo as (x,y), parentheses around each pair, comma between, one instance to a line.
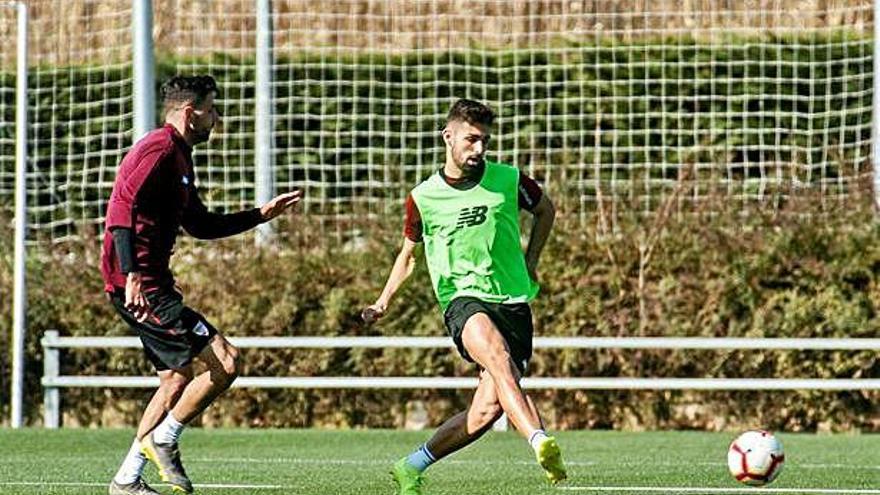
(154,195)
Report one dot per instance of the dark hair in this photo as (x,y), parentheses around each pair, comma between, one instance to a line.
(180,90)
(470,111)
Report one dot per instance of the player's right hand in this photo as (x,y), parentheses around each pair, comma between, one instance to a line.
(280,203)
(135,300)
(372,313)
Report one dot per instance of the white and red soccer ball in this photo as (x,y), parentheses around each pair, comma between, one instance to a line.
(755,458)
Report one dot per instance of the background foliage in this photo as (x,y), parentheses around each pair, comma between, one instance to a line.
(775,277)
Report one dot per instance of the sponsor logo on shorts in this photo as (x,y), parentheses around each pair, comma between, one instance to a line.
(200,329)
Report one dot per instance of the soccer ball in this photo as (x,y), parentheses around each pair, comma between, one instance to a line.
(755,458)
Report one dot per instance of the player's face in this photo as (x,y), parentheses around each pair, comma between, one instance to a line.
(467,143)
(202,120)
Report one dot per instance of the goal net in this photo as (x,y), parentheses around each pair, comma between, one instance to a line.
(621,104)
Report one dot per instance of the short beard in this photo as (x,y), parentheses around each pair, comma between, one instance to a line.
(467,167)
(201,137)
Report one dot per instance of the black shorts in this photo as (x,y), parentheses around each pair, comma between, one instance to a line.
(514,321)
(172,334)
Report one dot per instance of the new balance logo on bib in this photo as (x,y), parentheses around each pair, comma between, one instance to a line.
(471,217)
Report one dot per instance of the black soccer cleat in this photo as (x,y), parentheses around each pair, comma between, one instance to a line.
(138,487)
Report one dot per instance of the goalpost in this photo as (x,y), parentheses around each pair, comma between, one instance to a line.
(19,305)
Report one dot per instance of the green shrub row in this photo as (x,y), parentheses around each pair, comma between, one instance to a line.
(715,276)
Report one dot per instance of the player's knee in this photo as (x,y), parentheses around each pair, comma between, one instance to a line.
(499,363)
(496,353)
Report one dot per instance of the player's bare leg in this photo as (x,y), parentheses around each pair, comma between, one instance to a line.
(128,478)
(485,344)
(454,434)
(223,366)
(160,446)
(467,426)
(171,386)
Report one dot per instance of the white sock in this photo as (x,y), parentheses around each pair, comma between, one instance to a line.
(132,466)
(537,438)
(168,430)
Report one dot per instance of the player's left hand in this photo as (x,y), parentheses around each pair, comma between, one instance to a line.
(280,203)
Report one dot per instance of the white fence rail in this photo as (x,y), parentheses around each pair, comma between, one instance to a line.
(53,381)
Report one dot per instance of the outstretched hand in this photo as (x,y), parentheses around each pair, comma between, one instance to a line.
(278,204)
(372,313)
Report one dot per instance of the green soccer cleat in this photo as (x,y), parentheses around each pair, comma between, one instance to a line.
(408,478)
(550,458)
(166,457)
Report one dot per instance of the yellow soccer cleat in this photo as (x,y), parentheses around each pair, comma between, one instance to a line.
(550,458)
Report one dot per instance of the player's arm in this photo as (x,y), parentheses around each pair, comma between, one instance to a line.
(120,223)
(123,244)
(536,201)
(204,224)
(400,271)
(403,264)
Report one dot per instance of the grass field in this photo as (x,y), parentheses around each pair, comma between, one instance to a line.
(356,462)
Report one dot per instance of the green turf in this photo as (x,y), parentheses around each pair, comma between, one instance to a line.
(357,462)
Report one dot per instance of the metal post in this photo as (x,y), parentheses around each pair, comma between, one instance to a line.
(143,68)
(264,187)
(51,370)
(875,113)
(19,300)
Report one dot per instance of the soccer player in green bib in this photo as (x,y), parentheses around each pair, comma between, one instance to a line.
(467,215)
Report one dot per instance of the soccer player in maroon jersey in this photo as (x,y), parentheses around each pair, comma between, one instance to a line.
(153,196)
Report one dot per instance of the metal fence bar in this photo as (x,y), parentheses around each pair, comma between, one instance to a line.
(52,381)
(409,382)
(707,343)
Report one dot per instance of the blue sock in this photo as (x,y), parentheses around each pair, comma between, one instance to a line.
(421,458)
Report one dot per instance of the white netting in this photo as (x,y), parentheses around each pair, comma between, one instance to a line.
(754,102)
(80,111)
(8,36)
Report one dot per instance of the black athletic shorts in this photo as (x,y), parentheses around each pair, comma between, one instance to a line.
(514,321)
(172,334)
